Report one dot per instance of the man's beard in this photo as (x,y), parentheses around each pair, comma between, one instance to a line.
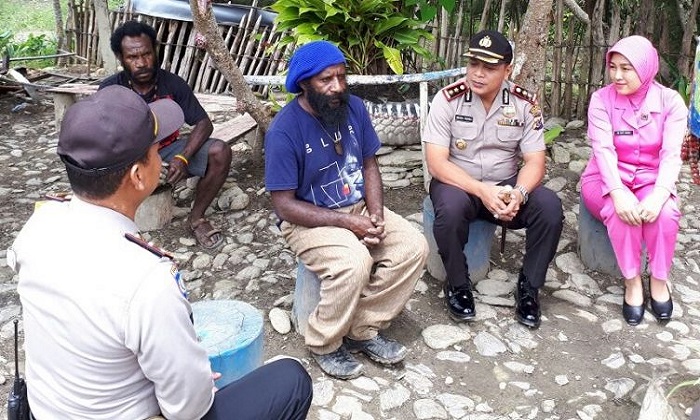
(332,116)
(151,72)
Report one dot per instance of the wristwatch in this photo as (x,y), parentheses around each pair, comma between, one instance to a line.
(523,192)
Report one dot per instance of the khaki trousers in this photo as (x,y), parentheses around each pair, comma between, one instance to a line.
(362,289)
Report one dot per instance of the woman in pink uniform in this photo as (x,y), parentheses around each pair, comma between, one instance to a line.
(636,127)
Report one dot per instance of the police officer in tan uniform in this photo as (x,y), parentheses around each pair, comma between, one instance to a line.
(484,148)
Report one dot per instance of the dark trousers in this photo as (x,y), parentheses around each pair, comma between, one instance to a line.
(542,216)
(280,390)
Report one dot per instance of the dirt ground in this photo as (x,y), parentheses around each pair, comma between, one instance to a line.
(567,343)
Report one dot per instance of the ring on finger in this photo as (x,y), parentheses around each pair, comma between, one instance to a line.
(495,215)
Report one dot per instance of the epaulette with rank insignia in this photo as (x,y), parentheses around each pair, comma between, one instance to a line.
(145,245)
(455,90)
(523,93)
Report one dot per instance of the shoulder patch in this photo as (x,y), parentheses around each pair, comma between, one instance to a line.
(150,248)
(523,93)
(455,90)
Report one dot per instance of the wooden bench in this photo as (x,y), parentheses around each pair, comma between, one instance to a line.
(67,94)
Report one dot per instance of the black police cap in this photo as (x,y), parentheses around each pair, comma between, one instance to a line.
(490,47)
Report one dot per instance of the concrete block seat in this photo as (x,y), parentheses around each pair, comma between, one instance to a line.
(477,250)
(594,247)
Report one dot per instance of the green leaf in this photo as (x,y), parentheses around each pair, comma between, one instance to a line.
(428,13)
(552,133)
(388,24)
(392,57)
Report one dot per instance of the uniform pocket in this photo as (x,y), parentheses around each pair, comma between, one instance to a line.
(466,132)
(507,134)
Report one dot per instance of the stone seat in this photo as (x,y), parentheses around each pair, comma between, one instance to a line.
(594,247)
(307,293)
(477,250)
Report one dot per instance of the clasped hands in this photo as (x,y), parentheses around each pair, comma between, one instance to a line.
(370,230)
(502,201)
(634,212)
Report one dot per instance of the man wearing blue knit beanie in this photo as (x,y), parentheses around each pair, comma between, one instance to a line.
(323,177)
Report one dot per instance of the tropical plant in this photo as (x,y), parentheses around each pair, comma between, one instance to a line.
(373,34)
(6,47)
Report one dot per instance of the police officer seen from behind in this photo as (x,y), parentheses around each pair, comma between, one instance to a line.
(106,318)
(485,151)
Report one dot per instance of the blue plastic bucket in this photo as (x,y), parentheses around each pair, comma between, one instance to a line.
(232,334)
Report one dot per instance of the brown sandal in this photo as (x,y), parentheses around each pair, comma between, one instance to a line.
(204,237)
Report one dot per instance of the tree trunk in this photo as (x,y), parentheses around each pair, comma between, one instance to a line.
(60,34)
(556,59)
(206,26)
(598,46)
(530,57)
(485,15)
(502,15)
(615,22)
(104,31)
(569,67)
(685,61)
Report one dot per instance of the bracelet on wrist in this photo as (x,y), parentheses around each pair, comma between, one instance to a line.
(182,159)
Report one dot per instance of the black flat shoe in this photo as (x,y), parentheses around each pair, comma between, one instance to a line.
(633,314)
(460,303)
(662,311)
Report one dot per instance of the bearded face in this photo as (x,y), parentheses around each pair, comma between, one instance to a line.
(332,109)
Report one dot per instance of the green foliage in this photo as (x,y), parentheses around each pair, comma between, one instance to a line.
(552,133)
(6,46)
(373,34)
(677,80)
(33,46)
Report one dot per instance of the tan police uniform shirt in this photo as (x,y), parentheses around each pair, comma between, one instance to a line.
(106,322)
(488,146)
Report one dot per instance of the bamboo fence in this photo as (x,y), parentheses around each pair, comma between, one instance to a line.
(564,92)
(251,44)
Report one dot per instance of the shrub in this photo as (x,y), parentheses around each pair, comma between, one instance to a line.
(374,35)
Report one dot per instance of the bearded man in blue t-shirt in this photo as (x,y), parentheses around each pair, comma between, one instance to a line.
(322,173)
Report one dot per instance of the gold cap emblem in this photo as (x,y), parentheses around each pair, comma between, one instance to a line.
(485,41)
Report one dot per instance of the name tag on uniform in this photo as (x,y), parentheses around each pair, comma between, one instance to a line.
(624,133)
(464,118)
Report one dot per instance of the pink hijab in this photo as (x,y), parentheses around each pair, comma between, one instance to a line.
(643,57)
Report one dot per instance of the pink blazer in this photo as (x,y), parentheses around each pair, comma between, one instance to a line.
(634,152)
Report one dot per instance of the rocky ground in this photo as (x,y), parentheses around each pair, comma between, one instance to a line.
(584,362)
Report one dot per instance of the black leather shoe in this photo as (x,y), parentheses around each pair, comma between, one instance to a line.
(379,348)
(527,304)
(460,302)
(339,364)
(633,314)
(662,310)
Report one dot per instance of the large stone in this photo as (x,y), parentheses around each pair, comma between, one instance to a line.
(594,246)
(156,211)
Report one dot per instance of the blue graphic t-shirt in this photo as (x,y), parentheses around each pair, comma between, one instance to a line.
(300,155)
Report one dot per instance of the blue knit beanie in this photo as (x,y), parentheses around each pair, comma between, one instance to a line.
(309,60)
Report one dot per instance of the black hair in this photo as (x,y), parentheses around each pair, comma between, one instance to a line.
(131,28)
(101,186)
